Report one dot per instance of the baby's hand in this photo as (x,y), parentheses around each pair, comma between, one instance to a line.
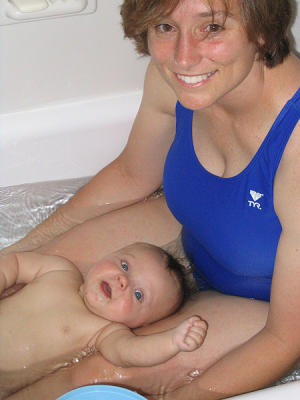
(190,334)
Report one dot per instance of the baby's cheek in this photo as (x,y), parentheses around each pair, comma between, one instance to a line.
(91,295)
(95,269)
(126,310)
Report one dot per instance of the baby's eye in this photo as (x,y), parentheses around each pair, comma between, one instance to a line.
(139,295)
(124,265)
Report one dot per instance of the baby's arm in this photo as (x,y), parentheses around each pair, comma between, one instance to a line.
(25,267)
(122,347)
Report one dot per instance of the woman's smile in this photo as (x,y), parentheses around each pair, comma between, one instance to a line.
(194,80)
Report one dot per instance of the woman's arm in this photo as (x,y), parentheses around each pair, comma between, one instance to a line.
(135,174)
(276,348)
(97,370)
(9,267)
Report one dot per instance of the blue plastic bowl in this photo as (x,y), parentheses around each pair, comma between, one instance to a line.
(101,392)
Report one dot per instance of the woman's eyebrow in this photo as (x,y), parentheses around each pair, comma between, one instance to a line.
(211,13)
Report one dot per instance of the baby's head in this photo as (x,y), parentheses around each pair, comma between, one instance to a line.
(135,285)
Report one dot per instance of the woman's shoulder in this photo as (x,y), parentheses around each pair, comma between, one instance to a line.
(285,78)
(288,173)
(157,92)
(291,73)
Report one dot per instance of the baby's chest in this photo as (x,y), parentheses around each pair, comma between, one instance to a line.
(40,327)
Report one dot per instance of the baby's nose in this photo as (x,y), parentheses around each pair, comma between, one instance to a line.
(123,281)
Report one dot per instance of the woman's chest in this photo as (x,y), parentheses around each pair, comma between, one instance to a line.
(225,147)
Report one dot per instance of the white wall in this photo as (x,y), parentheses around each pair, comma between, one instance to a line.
(79,57)
(296,25)
(61,81)
(75,57)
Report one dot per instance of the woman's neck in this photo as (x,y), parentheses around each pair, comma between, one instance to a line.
(263,90)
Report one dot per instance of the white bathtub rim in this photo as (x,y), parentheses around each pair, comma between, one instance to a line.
(64,141)
(86,112)
(290,390)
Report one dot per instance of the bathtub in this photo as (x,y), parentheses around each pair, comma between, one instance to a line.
(65,112)
(48,152)
(66,140)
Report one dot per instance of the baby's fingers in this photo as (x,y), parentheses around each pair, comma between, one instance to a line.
(197,335)
(199,325)
(191,343)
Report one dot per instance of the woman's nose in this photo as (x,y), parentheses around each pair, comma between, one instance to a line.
(188,51)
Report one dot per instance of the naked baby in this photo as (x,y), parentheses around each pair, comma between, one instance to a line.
(58,316)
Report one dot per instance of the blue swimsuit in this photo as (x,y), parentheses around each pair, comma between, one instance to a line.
(230,228)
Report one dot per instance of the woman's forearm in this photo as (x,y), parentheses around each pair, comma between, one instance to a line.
(252,366)
(8,271)
(47,388)
(109,190)
(52,227)
(92,370)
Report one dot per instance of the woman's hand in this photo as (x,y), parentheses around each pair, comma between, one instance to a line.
(148,380)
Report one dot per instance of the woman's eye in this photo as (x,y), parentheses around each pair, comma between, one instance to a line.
(214,28)
(124,265)
(163,28)
(138,294)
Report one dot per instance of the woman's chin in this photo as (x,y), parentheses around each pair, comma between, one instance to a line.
(194,102)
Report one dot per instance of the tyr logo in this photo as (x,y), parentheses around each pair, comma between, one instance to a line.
(255,196)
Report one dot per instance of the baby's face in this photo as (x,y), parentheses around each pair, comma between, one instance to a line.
(131,286)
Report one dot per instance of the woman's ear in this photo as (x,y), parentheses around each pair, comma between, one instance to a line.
(260,40)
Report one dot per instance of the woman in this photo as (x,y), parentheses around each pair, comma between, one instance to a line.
(231,181)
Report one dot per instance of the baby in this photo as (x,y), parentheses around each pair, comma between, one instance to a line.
(58,317)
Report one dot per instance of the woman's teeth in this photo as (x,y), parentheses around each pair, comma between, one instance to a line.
(194,79)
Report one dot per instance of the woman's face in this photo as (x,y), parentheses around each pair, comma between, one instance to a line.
(202,57)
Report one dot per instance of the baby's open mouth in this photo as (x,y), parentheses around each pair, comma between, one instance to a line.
(106,289)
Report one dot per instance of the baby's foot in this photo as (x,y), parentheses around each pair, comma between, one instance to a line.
(190,334)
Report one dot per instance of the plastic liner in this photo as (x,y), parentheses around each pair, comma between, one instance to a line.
(24,206)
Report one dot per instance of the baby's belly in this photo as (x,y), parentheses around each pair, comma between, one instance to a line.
(36,341)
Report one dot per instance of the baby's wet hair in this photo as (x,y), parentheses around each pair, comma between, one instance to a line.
(178,269)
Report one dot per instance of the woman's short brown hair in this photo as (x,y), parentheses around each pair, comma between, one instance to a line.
(266,23)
